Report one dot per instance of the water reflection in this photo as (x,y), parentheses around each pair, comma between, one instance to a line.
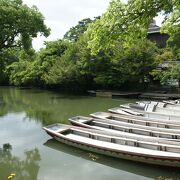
(23,112)
(1,100)
(26,169)
(155,172)
(49,107)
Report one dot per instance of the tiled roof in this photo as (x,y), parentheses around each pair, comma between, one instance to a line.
(153,28)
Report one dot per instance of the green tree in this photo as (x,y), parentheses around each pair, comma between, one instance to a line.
(7,56)
(126,65)
(24,70)
(48,56)
(175,73)
(54,48)
(30,69)
(165,75)
(128,22)
(75,32)
(165,54)
(19,24)
(72,70)
(63,73)
(172,27)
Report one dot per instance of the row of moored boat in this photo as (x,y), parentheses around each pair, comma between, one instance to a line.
(145,131)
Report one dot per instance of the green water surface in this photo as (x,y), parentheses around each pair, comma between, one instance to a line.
(27,151)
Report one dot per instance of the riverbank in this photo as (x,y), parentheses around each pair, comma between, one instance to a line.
(143,95)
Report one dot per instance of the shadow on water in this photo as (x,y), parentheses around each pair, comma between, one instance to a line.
(1,100)
(155,172)
(54,94)
(70,97)
(26,169)
(32,90)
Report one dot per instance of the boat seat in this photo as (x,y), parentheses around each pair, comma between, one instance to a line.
(92,136)
(111,117)
(137,106)
(154,103)
(162,148)
(150,108)
(161,104)
(132,112)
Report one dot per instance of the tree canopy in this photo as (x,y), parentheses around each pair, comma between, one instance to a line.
(168,74)
(111,51)
(75,32)
(127,22)
(19,24)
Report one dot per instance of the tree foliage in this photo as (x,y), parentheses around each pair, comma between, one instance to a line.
(108,52)
(67,70)
(167,69)
(7,56)
(23,71)
(128,22)
(19,24)
(75,32)
(172,27)
(30,69)
(172,72)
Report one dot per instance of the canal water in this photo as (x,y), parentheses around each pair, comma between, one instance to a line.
(27,151)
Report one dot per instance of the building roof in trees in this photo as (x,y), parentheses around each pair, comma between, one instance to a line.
(153,28)
(166,64)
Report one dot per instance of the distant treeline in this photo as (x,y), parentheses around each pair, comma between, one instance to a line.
(108,52)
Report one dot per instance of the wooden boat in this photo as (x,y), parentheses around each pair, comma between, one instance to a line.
(127,129)
(105,143)
(160,106)
(177,101)
(171,104)
(136,112)
(138,120)
(153,106)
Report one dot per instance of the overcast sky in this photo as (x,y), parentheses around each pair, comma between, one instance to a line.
(61,15)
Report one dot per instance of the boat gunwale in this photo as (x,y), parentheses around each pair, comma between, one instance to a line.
(150,129)
(114,110)
(112,136)
(135,118)
(142,111)
(80,124)
(144,155)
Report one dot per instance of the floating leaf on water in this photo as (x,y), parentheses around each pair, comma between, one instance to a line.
(93,156)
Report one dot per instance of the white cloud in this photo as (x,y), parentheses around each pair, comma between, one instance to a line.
(159,19)
(61,15)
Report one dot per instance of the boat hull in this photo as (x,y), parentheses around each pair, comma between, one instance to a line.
(119,154)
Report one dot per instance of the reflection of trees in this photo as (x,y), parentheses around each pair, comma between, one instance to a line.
(26,169)
(3,110)
(50,107)
(34,103)
(43,106)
